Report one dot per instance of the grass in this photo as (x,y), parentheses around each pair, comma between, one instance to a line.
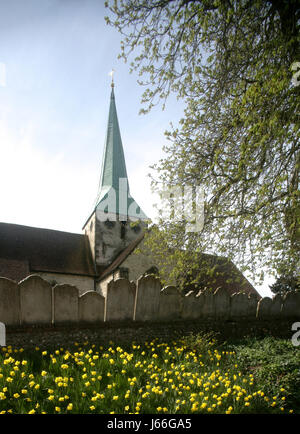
(275,364)
(194,375)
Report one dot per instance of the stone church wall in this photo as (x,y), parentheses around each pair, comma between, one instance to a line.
(89,230)
(138,263)
(83,283)
(101,287)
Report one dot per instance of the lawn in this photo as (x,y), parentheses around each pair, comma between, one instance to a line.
(196,374)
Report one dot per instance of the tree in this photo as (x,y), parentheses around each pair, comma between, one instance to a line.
(285,284)
(232,63)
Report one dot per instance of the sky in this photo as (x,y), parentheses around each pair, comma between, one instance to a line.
(55,59)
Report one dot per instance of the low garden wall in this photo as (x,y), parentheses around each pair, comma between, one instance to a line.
(134,311)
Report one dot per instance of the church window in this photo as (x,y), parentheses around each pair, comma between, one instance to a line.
(136,228)
(152,270)
(123,229)
(124,273)
(109,224)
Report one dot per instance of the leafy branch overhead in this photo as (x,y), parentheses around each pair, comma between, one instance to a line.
(231,64)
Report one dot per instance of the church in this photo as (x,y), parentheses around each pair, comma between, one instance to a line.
(106,250)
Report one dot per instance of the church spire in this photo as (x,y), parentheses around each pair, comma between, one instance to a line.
(113,183)
(112,78)
(113,162)
(108,228)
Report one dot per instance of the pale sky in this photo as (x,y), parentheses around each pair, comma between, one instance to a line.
(55,58)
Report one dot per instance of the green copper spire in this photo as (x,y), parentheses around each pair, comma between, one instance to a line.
(113,163)
(113,186)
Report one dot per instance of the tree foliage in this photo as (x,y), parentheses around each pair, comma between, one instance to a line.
(231,64)
(285,283)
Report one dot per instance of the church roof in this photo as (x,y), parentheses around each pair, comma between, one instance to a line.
(225,273)
(25,250)
(219,271)
(113,192)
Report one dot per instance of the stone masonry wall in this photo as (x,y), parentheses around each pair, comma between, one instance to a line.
(33,302)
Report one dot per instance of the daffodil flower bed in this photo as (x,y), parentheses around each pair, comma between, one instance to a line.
(150,378)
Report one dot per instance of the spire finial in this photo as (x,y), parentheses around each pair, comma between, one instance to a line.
(112,77)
